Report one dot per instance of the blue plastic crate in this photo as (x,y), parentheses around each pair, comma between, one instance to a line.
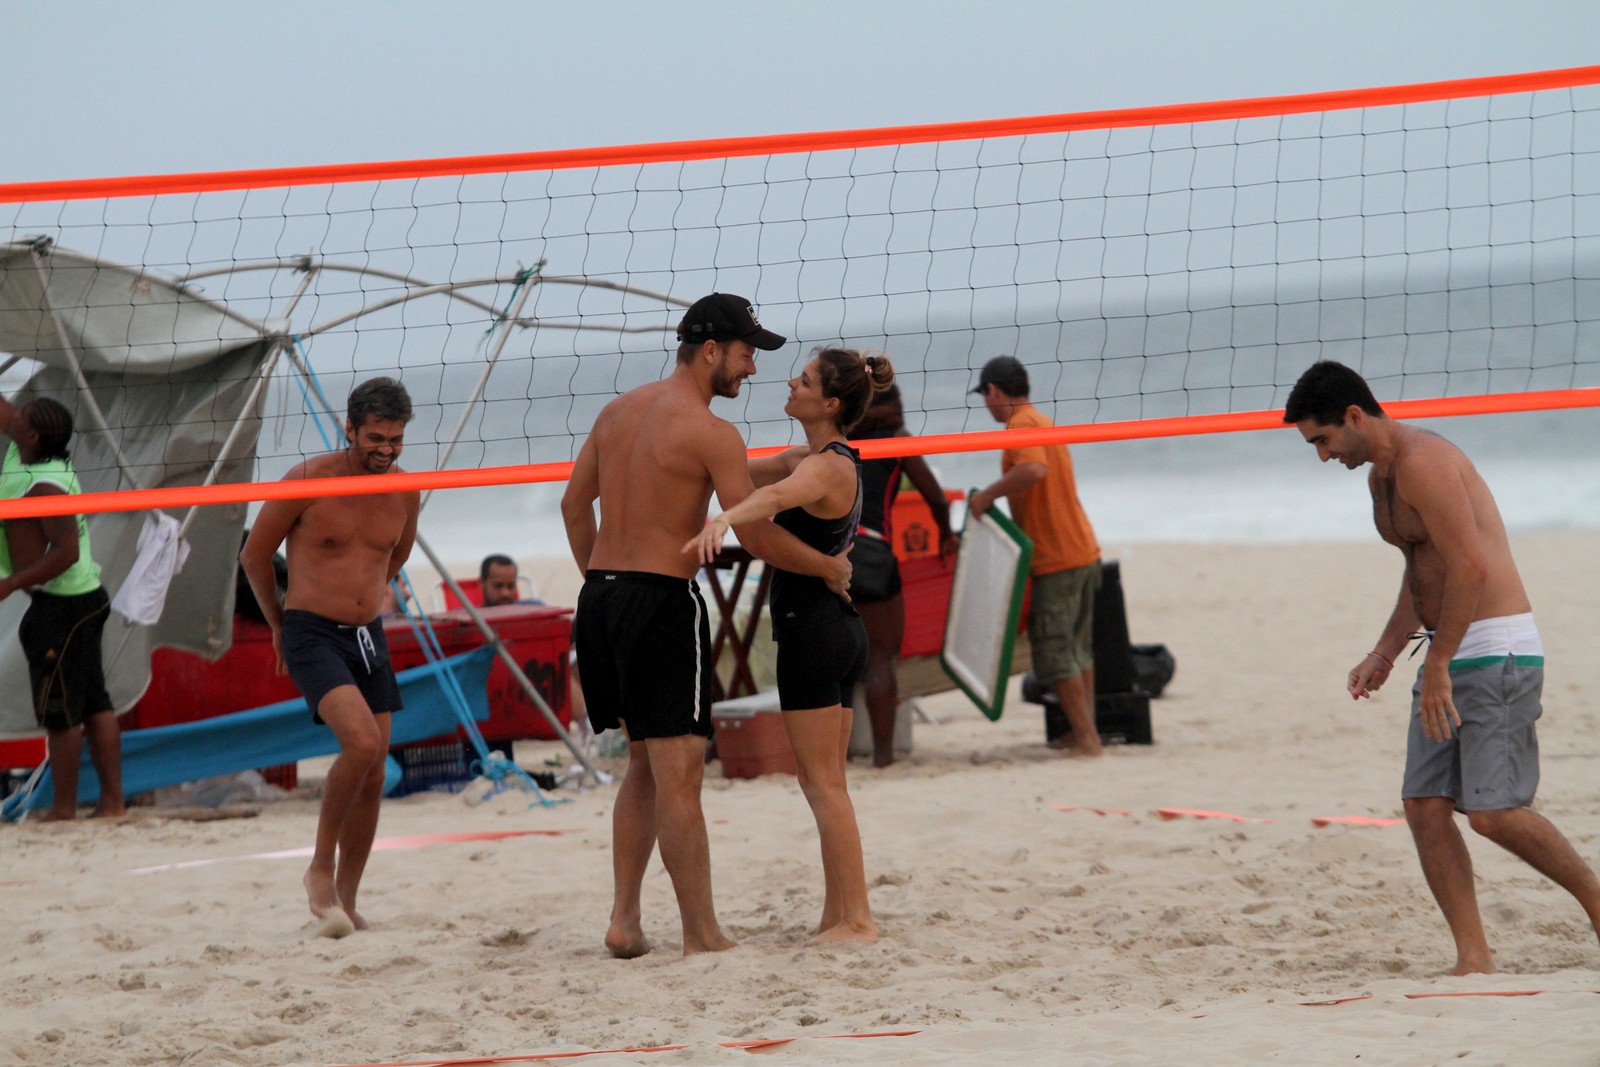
(437,765)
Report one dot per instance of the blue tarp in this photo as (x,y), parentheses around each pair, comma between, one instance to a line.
(279,733)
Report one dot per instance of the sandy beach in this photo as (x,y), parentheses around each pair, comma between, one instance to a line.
(1033,909)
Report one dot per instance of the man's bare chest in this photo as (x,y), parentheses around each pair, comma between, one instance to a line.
(1398,522)
(373,522)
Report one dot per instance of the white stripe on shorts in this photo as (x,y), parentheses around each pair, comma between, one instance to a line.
(694,694)
(1504,635)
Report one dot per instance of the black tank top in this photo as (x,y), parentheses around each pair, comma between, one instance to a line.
(804,597)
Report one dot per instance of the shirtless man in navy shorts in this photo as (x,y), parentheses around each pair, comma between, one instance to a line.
(328,633)
(652,460)
(1472,746)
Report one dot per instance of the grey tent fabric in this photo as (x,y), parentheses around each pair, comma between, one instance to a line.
(172,373)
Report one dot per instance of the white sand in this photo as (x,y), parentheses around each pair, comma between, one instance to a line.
(1013,932)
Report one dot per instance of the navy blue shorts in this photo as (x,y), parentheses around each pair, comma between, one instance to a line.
(323,654)
(644,647)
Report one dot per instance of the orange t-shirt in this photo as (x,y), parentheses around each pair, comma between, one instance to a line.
(1048,510)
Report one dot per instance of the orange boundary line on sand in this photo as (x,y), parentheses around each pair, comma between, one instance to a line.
(781,144)
(534,1057)
(1196,813)
(1496,993)
(382,844)
(1335,1001)
(1192,813)
(927,445)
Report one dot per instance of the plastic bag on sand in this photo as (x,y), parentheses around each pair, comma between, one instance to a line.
(246,786)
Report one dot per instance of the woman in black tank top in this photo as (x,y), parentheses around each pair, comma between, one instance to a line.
(883,608)
(814,491)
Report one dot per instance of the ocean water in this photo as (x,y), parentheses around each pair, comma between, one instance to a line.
(1259,486)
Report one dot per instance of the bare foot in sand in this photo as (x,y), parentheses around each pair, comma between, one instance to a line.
(716,943)
(841,932)
(1068,746)
(109,811)
(335,923)
(60,816)
(1471,967)
(320,894)
(626,941)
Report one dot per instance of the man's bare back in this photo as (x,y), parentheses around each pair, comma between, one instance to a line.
(652,461)
(1426,465)
(653,447)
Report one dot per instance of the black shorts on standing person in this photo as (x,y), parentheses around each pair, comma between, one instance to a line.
(323,654)
(822,646)
(61,637)
(645,644)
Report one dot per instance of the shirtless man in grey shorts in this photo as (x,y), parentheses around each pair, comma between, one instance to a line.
(1472,746)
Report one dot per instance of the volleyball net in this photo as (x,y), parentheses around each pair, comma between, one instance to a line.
(1160,271)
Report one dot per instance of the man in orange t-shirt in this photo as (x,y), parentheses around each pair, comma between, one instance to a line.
(1038,481)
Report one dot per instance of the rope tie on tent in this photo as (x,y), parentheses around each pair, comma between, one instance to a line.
(16,805)
(523,277)
(503,773)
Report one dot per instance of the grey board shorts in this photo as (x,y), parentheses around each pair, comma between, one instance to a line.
(1491,761)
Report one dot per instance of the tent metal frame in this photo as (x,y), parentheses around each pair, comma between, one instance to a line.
(284,342)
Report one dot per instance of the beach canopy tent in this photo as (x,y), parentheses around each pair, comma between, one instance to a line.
(166,389)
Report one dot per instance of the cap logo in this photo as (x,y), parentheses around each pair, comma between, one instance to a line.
(752,312)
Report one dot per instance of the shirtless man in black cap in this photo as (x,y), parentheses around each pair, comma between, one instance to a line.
(652,460)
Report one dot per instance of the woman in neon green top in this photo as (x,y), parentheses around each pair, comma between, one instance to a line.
(50,558)
(17,479)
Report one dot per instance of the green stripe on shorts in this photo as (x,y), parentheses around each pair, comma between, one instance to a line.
(1472,663)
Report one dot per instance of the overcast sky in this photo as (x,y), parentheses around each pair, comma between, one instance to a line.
(95,89)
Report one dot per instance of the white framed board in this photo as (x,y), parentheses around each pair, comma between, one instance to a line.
(985,604)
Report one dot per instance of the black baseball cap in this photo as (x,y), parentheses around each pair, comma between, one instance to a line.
(1006,372)
(725,317)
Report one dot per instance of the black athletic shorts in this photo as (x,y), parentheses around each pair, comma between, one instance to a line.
(644,647)
(322,655)
(60,635)
(820,660)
